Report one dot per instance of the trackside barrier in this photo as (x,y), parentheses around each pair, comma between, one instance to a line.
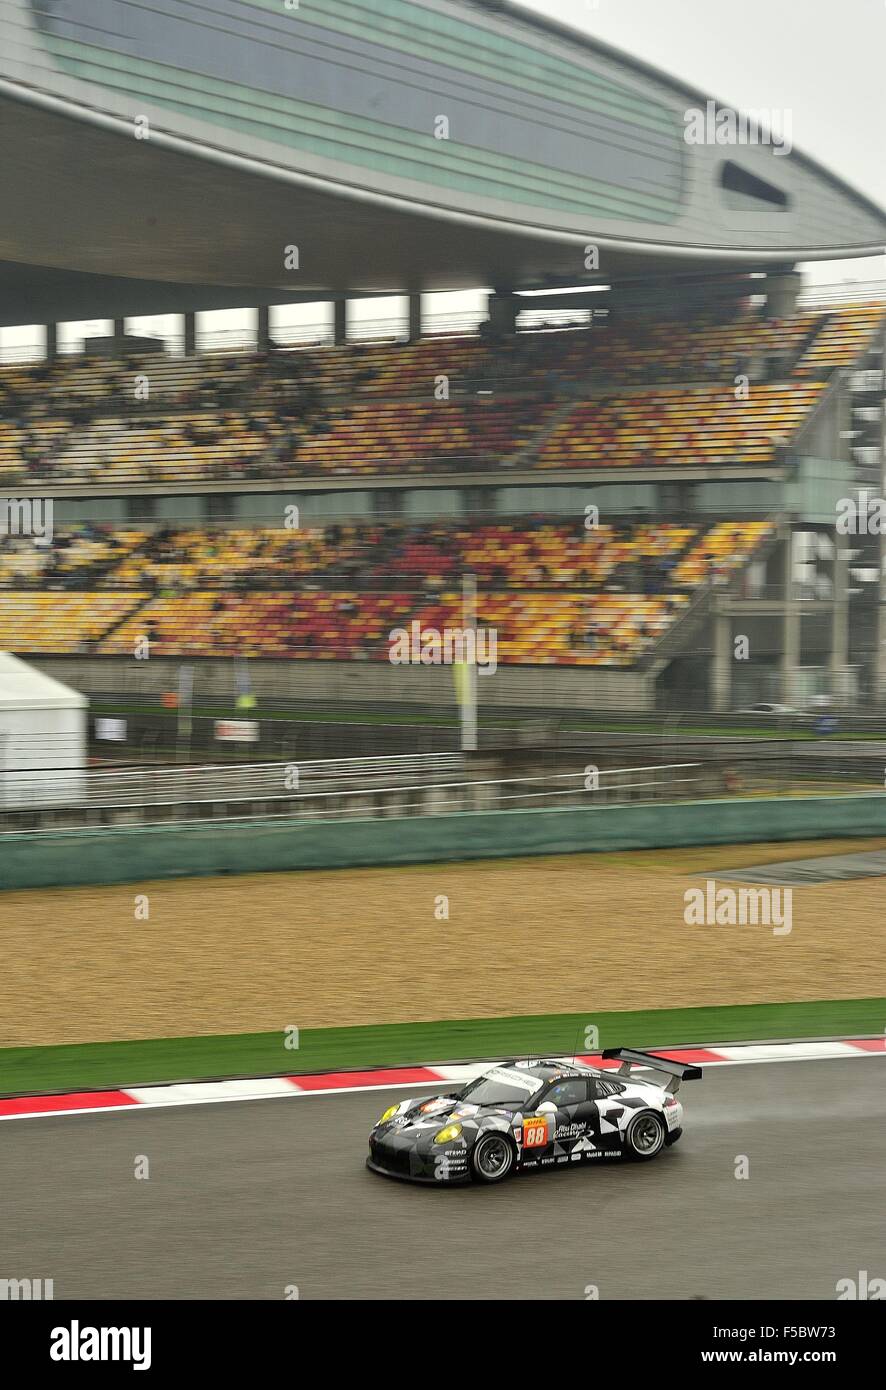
(138,853)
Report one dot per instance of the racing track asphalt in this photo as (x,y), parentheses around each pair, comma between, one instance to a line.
(246,1198)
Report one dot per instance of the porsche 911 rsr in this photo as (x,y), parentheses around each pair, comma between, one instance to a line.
(524,1115)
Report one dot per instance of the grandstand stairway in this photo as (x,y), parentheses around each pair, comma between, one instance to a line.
(683,634)
(139,606)
(528,455)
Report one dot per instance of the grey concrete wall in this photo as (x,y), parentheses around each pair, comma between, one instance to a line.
(556,687)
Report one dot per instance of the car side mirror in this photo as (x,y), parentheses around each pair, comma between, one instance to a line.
(545,1105)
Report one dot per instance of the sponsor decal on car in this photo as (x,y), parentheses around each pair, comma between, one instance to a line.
(571,1131)
(535,1132)
(511,1077)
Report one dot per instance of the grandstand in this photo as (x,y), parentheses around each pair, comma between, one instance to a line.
(698,471)
(631,485)
(693,479)
(424,460)
(306,414)
(556,595)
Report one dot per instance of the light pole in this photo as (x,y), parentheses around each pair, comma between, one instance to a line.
(469,674)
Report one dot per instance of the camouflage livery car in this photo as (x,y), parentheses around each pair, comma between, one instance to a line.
(534,1114)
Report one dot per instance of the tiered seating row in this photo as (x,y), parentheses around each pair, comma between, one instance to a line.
(369,409)
(674,425)
(554,593)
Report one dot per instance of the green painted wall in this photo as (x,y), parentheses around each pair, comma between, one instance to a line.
(136,854)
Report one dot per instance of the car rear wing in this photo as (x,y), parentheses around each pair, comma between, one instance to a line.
(677,1072)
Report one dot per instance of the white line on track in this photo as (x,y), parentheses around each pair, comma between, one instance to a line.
(272,1088)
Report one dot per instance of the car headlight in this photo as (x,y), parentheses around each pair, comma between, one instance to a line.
(444,1135)
(389,1114)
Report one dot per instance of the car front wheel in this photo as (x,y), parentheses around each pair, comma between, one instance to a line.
(493,1158)
(645,1136)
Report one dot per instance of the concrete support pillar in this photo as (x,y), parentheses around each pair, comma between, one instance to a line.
(263,328)
(721,665)
(340,322)
(415,322)
(119,333)
(840,619)
(674,498)
(478,502)
(189,327)
(51,330)
(387,503)
(503,308)
(790,629)
(140,509)
(880,654)
(782,292)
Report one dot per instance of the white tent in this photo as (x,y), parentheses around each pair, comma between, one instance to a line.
(42,737)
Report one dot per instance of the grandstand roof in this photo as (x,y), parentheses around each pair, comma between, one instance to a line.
(317,127)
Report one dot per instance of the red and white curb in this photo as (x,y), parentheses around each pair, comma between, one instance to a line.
(332,1083)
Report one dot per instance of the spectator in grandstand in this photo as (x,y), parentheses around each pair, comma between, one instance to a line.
(666,564)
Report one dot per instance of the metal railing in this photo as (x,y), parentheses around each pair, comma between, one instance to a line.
(319,332)
(329,790)
(436,784)
(849,292)
(128,787)
(316,333)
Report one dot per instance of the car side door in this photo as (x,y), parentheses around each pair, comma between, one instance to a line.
(574,1123)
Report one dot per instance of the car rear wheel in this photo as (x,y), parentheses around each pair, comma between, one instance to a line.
(645,1136)
(493,1158)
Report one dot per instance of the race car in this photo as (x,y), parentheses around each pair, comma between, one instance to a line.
(524,1115)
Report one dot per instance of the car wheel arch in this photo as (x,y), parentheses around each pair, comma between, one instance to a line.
(628,1146)
(494,1132)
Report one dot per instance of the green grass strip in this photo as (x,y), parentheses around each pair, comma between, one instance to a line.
(96,1066)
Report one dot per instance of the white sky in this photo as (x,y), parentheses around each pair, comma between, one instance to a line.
(824,61)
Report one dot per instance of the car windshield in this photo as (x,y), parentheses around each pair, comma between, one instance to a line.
(501,1088)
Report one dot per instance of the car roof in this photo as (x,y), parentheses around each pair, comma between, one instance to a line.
(548,1068)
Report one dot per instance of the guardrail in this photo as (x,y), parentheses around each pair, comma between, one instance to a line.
(334,789)
(424,785)
(849,292)
(130,787)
